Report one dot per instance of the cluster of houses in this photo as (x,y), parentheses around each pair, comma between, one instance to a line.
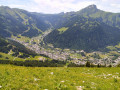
(59,54)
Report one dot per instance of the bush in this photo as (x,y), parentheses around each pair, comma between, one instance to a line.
(75,65)
(115,80)
(118,65)
(0,56)
(6,58)
(88,64)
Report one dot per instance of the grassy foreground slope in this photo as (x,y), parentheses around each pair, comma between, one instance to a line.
(58,78)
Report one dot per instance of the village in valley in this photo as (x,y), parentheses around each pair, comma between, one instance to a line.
(78,57)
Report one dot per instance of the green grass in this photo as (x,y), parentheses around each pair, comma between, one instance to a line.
(36,58)
(58,78)
(63,29)
(9,57)
(21,38)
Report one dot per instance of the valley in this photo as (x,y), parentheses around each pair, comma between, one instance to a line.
(88,35)
(79,57)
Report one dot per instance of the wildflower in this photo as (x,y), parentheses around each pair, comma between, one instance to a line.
(52,73)
(109,74)
(117,73)
(35,79)
(65,86)
(79,87)
(0,86)
(92,83)
(62,81)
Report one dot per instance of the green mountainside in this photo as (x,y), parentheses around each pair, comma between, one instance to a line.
(112,19)
(17,21)
(83,33)
(15,49)
(57,20)
(89,29)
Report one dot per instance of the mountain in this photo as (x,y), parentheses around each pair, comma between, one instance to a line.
(88,29)
(88,10)
(112,19)
(83,33)
(16,21)
(85,30)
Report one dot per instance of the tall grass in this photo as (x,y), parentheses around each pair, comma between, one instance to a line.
(58,78)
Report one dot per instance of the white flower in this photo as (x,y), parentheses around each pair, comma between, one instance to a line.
(109,74)
(52,73)
(92,83)
(0,86)
(117,73)
(35,79)
(79,87)
(83,81)
(62,81)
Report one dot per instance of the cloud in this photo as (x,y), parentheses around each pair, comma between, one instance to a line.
(104,0)
(110,1)
(18,6)
(56,6)
(115,5)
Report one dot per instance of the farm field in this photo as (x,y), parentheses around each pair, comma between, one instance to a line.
(58,78)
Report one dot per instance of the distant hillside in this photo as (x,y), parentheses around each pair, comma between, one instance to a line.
(85,30)
(17,21)
(112,19)
(88,29)
(109,18)
(15,48)
(83,33)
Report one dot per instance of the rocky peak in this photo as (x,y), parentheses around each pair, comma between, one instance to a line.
(92,6)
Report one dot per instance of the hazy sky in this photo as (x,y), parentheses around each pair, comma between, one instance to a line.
(57,6)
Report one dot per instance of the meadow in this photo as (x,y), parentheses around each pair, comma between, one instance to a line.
(58,78)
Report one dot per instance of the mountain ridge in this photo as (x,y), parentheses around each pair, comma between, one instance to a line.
(81,21)
(84,35)
(89,23)
(17,21)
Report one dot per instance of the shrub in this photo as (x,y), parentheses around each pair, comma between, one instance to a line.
(6,58)
(0,56)
(115,80)
(87,64)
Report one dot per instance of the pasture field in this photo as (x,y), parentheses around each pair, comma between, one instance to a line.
(58,78)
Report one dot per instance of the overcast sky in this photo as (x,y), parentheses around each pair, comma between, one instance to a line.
(57,6)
